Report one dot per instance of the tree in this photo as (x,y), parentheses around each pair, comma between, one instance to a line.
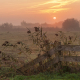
(70,24)
(6,26)
(23,23)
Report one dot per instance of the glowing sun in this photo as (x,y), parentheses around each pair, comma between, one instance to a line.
(54,17)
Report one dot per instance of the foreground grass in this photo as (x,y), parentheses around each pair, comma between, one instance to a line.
(42,76)
(49,76)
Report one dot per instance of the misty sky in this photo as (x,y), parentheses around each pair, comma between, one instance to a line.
(15,11)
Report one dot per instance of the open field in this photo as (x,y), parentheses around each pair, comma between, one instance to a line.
(14,37)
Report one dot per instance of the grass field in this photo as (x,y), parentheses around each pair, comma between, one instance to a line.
(48,76)
(43,76)
(14,37)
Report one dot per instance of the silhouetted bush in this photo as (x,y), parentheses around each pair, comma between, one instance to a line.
(71,24)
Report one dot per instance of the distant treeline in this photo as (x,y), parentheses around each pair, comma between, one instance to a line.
(66,25)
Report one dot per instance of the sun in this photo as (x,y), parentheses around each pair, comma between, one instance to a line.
(54,17)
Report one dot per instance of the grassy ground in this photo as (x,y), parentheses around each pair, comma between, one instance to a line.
(40,76)
(49,76)
(22,36)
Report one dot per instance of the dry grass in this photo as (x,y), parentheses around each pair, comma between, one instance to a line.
(13,37)
(24,57)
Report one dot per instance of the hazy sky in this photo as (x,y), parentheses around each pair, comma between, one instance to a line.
(41,11)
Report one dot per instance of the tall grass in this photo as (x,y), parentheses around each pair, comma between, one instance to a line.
(49,76)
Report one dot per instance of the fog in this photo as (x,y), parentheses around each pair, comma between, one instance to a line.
(66,25)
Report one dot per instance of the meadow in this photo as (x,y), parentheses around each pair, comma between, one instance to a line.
(22,36)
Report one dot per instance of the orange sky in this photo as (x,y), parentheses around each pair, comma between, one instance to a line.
(15,11)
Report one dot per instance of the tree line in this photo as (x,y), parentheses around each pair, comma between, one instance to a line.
(67,25)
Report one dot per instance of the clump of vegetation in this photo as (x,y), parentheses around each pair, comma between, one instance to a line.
(10,61)
(66,40)
(40,39)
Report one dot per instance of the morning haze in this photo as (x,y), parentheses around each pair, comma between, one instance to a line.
(38,11)
(38,36)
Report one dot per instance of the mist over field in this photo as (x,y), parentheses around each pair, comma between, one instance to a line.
(38,36)
(66,25)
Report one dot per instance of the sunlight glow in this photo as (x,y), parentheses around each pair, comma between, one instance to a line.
(38,10)
(54,18)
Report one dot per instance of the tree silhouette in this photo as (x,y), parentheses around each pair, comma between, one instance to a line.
(23,23)
(6,26)
(70,24)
